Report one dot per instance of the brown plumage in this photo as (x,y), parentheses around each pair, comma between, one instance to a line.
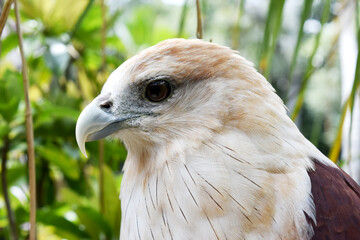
(212,153)
(337,203)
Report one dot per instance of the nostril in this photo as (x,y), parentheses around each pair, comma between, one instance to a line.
(106,105)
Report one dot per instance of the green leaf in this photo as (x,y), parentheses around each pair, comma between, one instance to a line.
(335,150)
(49,111)
(92,59)
(142,24)
(305,14)
(236,28)
(162,33)
(67,195)
(112,211)
(57,16)
(83,16)
(56,156)
(310,68)
(183,18)
(4,128)
(63,227)
(15,173)
(272,30)
(8,44)
(87,32)
(10,94)
(94,222)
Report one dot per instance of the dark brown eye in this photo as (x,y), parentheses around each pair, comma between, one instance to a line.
(158,91)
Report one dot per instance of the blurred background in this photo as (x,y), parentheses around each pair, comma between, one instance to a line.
(308,50)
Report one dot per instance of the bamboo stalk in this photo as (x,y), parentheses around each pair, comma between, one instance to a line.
(101,142)
(4,14)
(29,129)
(199,32)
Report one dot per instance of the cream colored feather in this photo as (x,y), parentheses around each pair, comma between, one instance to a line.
(220,159)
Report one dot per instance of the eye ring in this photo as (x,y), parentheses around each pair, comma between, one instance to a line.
(157,91)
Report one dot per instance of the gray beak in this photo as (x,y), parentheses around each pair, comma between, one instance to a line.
(94,124)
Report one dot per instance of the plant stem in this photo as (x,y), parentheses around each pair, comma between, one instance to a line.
(305,15)
(272,30)
(199,33)
(103,35)
(101,176)
(12,223)
(236,29)
(308,73)
(183,19)
(29,129)
(309,69)
(4,15)
(101,142)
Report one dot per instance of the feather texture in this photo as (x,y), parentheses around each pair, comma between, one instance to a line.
(219,158)
(337,201)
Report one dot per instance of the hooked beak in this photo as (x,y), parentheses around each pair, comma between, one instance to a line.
(94,124)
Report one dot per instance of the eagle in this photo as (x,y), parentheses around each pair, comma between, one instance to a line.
(212,153)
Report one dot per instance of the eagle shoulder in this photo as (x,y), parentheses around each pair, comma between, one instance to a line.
(337,202)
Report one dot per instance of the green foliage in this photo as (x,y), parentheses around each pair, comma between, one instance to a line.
(310,66)
(63,44)
(272,29)
(8,44)
(56,16)
(94,222)
(58,157)
(10,94)
(62,227)
(305,15)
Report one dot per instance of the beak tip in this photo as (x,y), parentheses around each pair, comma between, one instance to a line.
(81,145)
(80,139)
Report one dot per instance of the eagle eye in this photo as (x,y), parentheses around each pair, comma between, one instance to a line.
(157,91)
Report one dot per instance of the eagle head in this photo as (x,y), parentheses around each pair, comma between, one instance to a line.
(182,91)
